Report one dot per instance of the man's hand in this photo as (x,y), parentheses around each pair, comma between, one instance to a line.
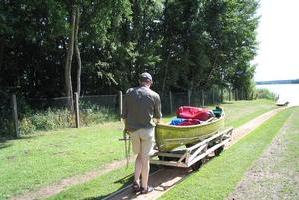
(156,121)
(126,131)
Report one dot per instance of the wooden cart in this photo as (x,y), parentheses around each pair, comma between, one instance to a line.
(193,156)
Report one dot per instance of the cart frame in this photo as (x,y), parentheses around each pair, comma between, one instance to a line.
(194,155)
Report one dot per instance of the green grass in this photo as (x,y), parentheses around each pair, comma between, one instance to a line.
(29,163)
(99,188)
(33,162)
(218,178)
(239,112)
(283,168)
(93,188)
(291,157)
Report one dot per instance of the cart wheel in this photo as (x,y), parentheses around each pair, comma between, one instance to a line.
(218,151)
(197,165)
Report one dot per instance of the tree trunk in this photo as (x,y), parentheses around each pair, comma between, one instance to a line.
(1,52)
(165,74)
(68,62)
(77,50)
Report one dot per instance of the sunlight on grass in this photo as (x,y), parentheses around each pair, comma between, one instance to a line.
(54,155)
(47,158)
(218,178)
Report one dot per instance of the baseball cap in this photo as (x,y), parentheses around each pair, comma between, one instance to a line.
(145,76)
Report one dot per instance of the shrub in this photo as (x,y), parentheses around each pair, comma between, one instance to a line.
(263,93)
(96,115)
(46,120)
(26,126)
(61,118)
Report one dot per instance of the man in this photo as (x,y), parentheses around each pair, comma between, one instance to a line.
(141,112)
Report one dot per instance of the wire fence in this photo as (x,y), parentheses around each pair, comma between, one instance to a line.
(50,113)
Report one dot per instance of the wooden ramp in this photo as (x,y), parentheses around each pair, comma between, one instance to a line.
(161,180)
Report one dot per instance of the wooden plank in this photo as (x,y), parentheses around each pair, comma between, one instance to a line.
(191,158)
(198,151)
(184,156)
(209,151)
(171,155)
(168,163)
(209,139)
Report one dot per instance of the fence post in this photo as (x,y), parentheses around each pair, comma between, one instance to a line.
(170,101)
(77,110)
(120,94)
(213,96)
(202,98)
(189,97)
(15,115)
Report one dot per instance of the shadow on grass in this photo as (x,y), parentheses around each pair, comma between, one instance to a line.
(6,141)
(227,102)
(125,181)
(4,145)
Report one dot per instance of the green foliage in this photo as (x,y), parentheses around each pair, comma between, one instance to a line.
(52,119)
(185,44)
(263,93)
(95,115)
(225,172)
(54,155)
(45,120)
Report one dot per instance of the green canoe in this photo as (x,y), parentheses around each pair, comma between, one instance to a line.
(169,137)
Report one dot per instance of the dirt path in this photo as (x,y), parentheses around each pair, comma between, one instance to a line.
(64,184)
(162,180)
(275,175)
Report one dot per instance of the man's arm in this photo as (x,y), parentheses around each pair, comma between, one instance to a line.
(124,112)
(157,110)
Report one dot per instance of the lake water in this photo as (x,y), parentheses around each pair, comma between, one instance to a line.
(286,92)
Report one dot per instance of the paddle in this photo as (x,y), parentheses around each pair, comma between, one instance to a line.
(126,137)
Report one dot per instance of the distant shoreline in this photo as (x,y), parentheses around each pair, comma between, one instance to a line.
(294,81)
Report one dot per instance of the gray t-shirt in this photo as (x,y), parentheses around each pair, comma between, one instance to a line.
(141,105)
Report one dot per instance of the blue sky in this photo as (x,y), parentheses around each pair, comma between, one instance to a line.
(278,36)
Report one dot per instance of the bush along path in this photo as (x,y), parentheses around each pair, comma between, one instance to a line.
(276,174)
(163,180)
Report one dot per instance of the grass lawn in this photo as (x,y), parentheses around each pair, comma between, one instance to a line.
(93,188)
(275,175)
(30,163)
(99,188)
(218,178)
(240,112)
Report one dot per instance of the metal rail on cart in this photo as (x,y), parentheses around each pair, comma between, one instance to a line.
(194,155)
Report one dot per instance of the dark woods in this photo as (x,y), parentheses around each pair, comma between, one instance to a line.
(54,48)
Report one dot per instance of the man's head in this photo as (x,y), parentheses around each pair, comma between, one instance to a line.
(145,79)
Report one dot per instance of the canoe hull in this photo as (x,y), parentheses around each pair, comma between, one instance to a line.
(169,137)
